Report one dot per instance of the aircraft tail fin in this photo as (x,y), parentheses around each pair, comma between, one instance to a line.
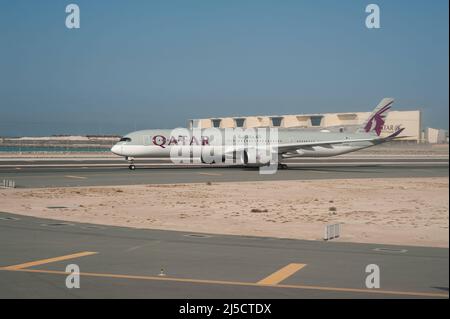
(376,120)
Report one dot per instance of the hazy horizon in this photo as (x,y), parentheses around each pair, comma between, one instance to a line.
(141,64)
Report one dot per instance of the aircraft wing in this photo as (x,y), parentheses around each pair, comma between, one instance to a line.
(282,148)
(376,140)
(290,147)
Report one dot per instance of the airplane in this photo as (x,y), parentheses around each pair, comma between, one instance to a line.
(241,147)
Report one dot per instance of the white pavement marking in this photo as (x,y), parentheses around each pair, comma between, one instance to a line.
(76,177)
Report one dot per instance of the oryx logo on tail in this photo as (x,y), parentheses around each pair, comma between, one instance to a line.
(376,120)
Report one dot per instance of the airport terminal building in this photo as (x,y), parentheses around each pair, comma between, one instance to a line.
(410,120)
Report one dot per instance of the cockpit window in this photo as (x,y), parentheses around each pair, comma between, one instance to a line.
(125,139)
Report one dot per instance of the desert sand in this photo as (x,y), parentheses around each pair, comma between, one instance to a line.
(385,211)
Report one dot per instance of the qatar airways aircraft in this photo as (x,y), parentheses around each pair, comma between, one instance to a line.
(254,146)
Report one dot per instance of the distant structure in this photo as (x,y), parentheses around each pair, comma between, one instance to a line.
(410,120)
(435,136)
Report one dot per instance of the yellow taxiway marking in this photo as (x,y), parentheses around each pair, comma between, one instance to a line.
(77,177)
(239,283)
(47,261)
(210,174)
(281,274)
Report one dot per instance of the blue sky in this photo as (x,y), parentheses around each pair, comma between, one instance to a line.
(155,64)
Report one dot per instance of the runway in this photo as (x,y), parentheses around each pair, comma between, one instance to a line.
(117,262)
(110,171)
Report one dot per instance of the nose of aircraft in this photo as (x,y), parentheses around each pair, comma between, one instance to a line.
(116,149)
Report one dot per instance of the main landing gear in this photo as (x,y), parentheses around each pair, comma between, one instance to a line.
(282,166)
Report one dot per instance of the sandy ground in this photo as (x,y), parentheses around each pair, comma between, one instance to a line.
(392,211)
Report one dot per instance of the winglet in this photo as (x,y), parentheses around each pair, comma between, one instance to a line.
(391,137)
(395,134)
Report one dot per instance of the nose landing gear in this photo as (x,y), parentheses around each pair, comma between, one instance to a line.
(131,161)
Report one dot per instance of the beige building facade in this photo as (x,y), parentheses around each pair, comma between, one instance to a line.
(410,120)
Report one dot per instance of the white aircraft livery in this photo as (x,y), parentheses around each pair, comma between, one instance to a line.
(252,146)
